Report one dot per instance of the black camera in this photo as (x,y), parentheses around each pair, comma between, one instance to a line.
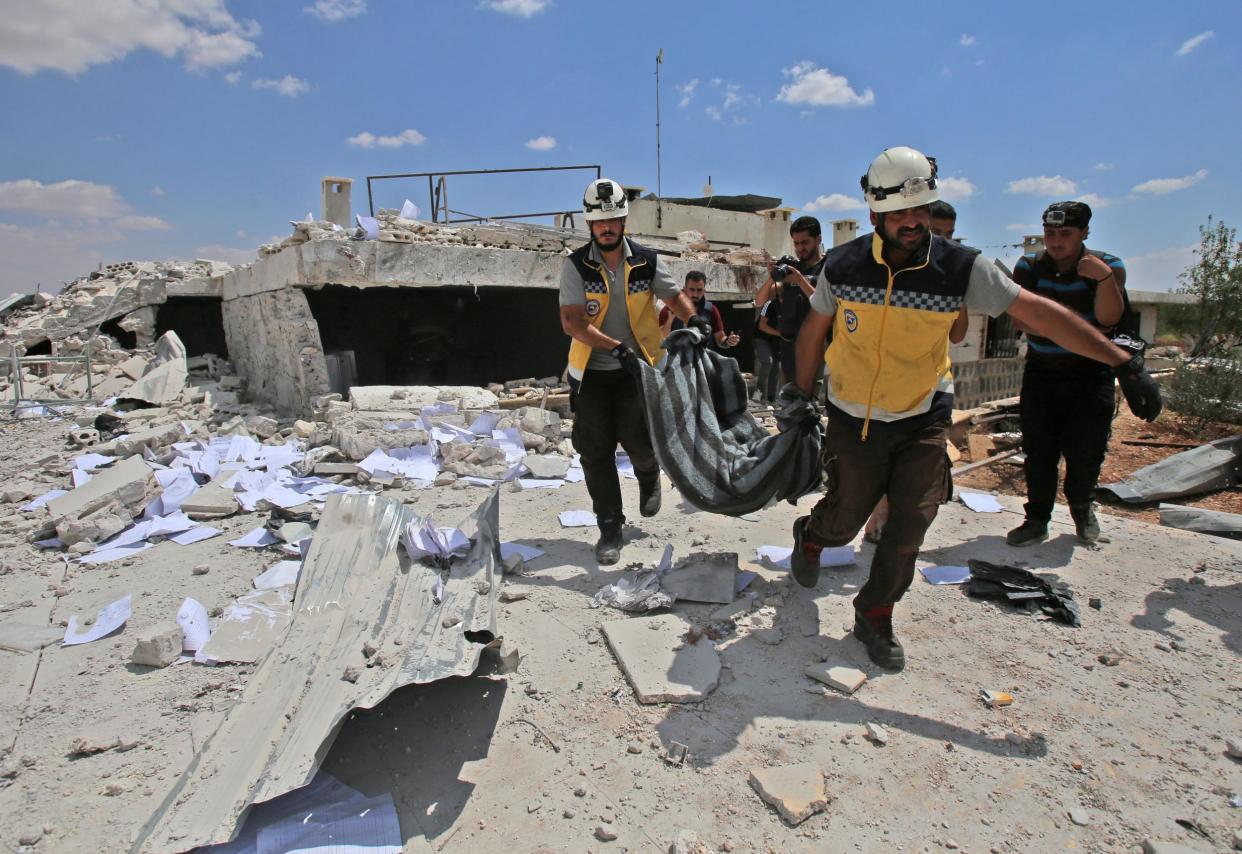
(784,264)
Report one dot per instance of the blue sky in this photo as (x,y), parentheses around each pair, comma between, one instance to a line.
(191,128)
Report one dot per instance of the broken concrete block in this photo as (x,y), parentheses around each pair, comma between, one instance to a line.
(543,422)
(210,501)
(165,376)
(359,437)
(150,437)
(702,577)
(84,437)
(877,733)
(93,527)
(796,791)
(262,426)
(157,647)
(546,466)
(658,662)
(303,429)
(128,483)
(845,679)
(328,469)
(133,367)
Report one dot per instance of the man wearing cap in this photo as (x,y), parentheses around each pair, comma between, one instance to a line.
(1067,402)
(891,298)
(607,299)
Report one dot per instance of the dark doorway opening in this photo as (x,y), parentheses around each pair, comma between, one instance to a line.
(122,337)
(444,335)
(198,322)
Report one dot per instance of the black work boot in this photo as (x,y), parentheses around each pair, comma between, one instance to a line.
(608,549)
(1028,533)
(805,558)
(1087,525)
(874,628)
(649,496)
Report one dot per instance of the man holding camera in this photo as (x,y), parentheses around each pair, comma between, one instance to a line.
(608,291)
(793,276)
(1067,401)
(891,298)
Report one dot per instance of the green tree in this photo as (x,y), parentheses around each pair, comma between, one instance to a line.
(1216,280)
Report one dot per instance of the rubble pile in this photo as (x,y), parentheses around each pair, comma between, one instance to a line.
(126,291)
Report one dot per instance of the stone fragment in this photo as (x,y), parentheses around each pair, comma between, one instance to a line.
(303,429)
(877,733)
(1233,747)
(157,647)
(201,569)
(262,426)
(549,466)
(510,594)
(770,636)
(605,834)
(1079,816)
(94,527)
(128,484)
(149,437)
(658,662)
(1159,846)
(702,577)
(164,377)
(844,679)
(210,501)
(445,478)
(796,791)
(689,842)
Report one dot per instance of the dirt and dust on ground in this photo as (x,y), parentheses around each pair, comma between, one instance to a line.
(1121,735)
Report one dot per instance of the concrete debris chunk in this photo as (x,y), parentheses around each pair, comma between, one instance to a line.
(796,791)
(702,577)
(877,734)
(845,679)
(211,501)
(541,466)
(157,647)
(113,496)
(659,664)
(164,377)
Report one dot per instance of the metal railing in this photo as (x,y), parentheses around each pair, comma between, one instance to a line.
(437,192)
(17,361)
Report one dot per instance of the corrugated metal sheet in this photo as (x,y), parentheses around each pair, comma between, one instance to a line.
(355,587)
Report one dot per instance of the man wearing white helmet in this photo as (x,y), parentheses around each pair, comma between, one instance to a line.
(608,291)
(890,299)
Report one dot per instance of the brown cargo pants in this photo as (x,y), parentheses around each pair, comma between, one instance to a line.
(912,469)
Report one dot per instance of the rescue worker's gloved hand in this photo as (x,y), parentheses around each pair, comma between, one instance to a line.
(702,325)
(627,357)
(1141,391)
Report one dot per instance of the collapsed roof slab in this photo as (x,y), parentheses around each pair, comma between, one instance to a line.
(275,342)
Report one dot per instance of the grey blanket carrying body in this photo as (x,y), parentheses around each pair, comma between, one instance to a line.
(715,452)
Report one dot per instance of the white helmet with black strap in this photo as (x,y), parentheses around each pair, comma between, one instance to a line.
(604,199)
(900,178)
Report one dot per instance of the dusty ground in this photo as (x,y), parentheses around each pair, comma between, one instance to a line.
(1132,748)
(1006,477)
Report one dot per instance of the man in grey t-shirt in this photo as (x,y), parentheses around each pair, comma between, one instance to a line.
(608,291)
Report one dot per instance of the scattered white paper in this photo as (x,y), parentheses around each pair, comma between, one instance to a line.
(778,556)
(523,551)
(178,485)
(484,424)
(86,462)
(578,519)
(369,226)
(945,574)
(422,538)
(109,618)
(409,210)
(509,441)
(44,499)
(575,474)
(624,466)
(195,629)
(538,483)
(257,538)
(279,574)
(79,478)
(981,503)
(194,535)
(416,463)
(477,481)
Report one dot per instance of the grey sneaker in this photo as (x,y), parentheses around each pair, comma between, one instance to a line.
(1028,533)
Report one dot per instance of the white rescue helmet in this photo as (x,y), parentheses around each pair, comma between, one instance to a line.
(900,178)
(604,199)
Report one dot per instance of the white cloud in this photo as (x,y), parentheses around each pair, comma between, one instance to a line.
(733,98)
(135,222)
(71,36)
(75,199)
(956,189)
(240,233)
(289,86)
(1158,270)
(517,8)
(834,202)
(157,191)
(967,40)
(819,87)
(1042,185)
(333,11)
(686,90)
(1161,186)
(366,139)
(1102,167)
(541,143)
(713,113)
(233,77)
(227,254)
(1192,43)
(1095,200)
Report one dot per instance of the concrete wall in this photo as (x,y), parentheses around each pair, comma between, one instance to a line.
(274,343)
(759,231)
(986,379)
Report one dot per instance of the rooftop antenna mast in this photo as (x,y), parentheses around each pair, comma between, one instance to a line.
(659,187)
